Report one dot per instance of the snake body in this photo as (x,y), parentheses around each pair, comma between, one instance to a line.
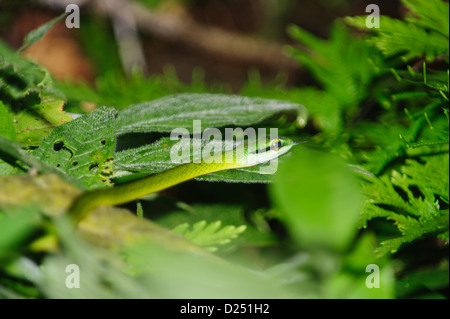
(242,157)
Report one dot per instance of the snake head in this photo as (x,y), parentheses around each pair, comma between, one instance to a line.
(271,149)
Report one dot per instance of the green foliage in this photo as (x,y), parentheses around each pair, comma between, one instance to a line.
(418,212)
(115,90)
(426,26)
(341,64)
(6,124)
(39,33)
(232,217)
(83,148)
(381,104)
(27,92)
(96,37)
(150,272)
(13,229)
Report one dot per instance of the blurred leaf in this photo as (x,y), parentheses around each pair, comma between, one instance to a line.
(348,286)
(151,272)
(45,193)
(431,14)
(39,33)
(14,228)
(97,37)
(105,227)
(350,281)
(395,37)
(319,199)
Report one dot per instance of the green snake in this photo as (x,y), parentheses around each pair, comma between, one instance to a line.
(241,157)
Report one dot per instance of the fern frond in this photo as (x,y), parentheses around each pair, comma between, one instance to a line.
(409,198)
(209,235)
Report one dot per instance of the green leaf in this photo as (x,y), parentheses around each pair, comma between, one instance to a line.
(14,228)
(214,110)
(6,124)
(14,151)
(319,199)
(426,26)
(83,148)
(37,34)
(344,65)
(36,121)
(28,94)
(431,14)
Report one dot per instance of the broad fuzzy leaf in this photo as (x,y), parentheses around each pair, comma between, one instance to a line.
(20,157)
(214,110)
(343,65)
(36,121)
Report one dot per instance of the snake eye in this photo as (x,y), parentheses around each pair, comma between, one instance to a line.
(276,145)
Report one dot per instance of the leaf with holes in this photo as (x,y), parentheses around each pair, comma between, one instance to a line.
(83,148)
